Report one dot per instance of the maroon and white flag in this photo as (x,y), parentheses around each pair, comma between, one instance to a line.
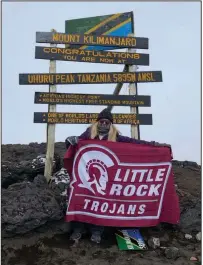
(121,184)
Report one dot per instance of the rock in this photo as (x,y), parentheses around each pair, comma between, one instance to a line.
(193,259)
(190,247)
(182,243)
(27,206)
(198,251)
(172,253)
(165,238)
(25,170)
(154,242)
(190,220)
(59,184)
(185,164)
(187,236)
(199,236)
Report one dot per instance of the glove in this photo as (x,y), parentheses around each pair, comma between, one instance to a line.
(72,140)
(159,144)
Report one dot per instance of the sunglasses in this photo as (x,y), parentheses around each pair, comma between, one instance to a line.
(104,122)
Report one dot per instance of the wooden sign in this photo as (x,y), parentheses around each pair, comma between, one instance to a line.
(91,56)
(92,99)
(92,40)
(90,78)
(87,118)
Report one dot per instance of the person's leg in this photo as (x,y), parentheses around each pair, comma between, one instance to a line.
(78,230)
(96,232)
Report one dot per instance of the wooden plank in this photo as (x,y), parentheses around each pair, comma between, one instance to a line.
(133,91)
(88,118)
(50,127)
(90,56)
(92,40)
(90,78)
(91,99)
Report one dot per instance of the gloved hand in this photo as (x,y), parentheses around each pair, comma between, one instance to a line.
(71,140)
(160,144)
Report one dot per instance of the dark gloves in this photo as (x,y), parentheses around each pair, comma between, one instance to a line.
(159,144)
(71,140)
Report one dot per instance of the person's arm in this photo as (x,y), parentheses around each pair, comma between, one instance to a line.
(125,139)
(73,140)
(85,135)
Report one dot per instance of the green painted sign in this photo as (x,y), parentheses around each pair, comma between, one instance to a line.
(120,24)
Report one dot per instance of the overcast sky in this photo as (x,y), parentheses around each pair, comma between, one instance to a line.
(173,30)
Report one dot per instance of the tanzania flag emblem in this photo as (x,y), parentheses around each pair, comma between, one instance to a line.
(130,239)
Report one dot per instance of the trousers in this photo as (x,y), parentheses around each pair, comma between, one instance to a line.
(81,226)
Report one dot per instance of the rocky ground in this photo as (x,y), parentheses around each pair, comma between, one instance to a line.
(33,231)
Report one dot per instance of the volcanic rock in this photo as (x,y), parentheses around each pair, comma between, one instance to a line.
(26,206)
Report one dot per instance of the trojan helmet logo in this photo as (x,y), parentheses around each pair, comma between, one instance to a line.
(91,166)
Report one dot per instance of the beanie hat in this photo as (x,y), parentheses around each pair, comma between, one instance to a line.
(105,114)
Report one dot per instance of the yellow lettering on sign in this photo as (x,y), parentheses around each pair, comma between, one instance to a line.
(54,50)
(55,37)
(74,51)
(106,41)
(79,78)
(71,58)
(82,52)
(88,59)
(46,79)
(63,78)
(112,41)
(106,60)
(70,78)
(52,115)
(136,56)
(65,38)
(72,38)
(129,78)
(128,42)
(47,50)
(110,54)
(145,77)
(134,42)
(58,77)
(86,39)
(77,38)
(89,78)
(100,40)
(30,79)
(123,42)
(100,78)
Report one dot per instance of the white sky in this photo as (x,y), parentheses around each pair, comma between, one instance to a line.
(173,29)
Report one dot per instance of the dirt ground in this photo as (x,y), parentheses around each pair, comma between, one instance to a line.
(60,251)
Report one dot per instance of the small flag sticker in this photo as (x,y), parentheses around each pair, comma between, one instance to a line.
(130,239)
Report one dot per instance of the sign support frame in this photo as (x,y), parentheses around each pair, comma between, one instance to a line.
(135,129)
(50,127)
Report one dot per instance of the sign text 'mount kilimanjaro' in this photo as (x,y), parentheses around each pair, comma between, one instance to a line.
(94,40)
(92,99)
(88,118)
(90,78)
(91,56)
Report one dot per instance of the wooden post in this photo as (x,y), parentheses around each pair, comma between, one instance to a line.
(118,87)
(135,130)
(50,127)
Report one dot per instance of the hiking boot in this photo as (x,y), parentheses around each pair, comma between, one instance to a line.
(77,234)
(96,237)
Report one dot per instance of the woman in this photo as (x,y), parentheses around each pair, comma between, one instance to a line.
(102,129)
